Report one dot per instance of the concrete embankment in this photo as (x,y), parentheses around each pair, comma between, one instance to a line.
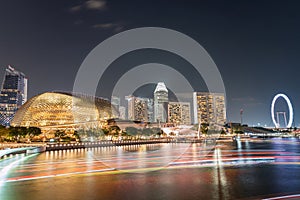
(53,147)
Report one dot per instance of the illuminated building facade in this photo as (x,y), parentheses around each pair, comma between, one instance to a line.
(160,101)
(209,108)
(63,110)
(13,94)
(139,108)
(179,113)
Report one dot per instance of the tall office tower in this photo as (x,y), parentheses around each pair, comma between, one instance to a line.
(137,108)
(13,94)
(209,108)
(160,101)
(150,110)
(115,101)
(122,112)
(130,108)
(179,113)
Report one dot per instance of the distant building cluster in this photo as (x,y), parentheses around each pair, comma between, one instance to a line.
(55,108)
(205,107)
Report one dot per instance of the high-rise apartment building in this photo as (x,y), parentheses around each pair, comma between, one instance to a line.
(179,113)
(13,94)
(209,108)
(139,108)
(150,109)
(160,101)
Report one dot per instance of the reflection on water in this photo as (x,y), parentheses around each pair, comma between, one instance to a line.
(142,148)
(219,177)
(200,172)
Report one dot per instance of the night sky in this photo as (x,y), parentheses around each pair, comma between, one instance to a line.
(255,44)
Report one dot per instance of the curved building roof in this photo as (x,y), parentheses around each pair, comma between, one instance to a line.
(161,87)
(63,109)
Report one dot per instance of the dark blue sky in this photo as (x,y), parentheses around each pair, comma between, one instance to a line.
(255,44)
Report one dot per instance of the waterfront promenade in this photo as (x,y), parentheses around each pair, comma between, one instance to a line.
(16,148)
(20,145)
(110,143)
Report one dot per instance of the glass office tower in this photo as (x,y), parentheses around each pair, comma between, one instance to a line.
(13,94)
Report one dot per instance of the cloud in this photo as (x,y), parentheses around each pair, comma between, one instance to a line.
(95,4)
(247,101)
(104,26)
(90,5)
(76,8)
(116,27)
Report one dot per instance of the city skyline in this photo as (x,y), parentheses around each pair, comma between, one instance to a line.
(208,108)
(160,99)
(147,115)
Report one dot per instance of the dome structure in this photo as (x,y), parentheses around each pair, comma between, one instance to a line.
(52,110)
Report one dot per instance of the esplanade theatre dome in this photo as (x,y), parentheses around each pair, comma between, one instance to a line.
(52,110)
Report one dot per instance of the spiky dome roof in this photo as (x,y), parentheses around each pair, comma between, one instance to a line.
(62,108)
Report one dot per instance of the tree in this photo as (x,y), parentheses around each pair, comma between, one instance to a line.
(156,131)
(114,130)
(238,129)
(76,135)
(204,128)
(90,133)
(105,131)
(18,132)
(223,132)
(33,131)
(147,131)
(4,133)
(79,134)
(131,130)
(59,134)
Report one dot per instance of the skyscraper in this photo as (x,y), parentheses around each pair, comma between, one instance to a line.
(160,102)
(13,94)
(138,108)
(150,110)
(209,108)
(115,104)
(122,112)
(179,113)
(115,101)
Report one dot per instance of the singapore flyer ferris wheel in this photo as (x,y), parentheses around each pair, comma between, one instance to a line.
(290,107)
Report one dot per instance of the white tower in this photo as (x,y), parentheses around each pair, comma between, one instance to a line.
(160,102)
